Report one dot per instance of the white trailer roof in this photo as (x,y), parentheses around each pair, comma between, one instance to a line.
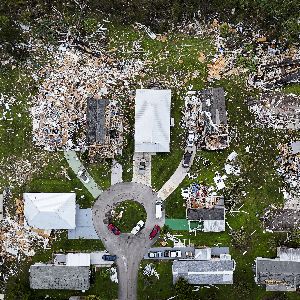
(152,120)
(50,210)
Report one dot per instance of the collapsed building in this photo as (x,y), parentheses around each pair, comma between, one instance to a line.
(104,128)
(205,211)
(279,72)
(205,115)
(277,110)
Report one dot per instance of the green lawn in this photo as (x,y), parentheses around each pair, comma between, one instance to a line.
(127,214)
(256,188)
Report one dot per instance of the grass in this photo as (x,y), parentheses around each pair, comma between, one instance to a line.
(131,212)
(293,88)
(179,56)
(151,287)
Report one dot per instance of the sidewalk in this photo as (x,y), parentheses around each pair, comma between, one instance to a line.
(76,165)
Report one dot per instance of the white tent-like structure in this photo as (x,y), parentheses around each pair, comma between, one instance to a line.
(50,210)
(152,120)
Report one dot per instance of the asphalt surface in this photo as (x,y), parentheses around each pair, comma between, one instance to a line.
(130,249)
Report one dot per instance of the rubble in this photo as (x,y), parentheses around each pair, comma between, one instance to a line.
(278,71)
(289,168)
(59,109)
(205,116)
(277,110)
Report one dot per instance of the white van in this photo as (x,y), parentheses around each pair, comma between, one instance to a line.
(158,209)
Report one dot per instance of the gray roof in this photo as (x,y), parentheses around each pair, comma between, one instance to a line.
(215,213)
(95,116)
(217,251)
(215,105)
(278,275)
(84,225)
(204,271)
(286,254)
(59,277)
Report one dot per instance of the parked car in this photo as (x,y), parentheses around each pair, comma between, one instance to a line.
(82,175)
(191,139)
(158,209)
(167,253)
(109,257)
(187,158)
(142,165)
(189,254)
(157,254)
(154,232)
(172,254)
(115,230)
(138,227)
(176,253)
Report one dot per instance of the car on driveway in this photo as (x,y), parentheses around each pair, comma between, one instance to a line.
(115,230)
(82,175)
(187,159)
(109,257)
(154,232)
(191,139)
(155,254)
(138,227)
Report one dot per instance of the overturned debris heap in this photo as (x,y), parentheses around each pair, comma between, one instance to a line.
(205,115)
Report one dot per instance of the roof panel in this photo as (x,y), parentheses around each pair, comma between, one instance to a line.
(152,120)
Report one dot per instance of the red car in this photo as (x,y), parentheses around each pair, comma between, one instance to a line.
(115,230)
(154,232)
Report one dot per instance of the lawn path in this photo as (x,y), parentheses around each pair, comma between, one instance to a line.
(76,165)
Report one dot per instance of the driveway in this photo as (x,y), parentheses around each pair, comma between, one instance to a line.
(116,173)
(142,176)
(174,181)
(130,249)
(76,165)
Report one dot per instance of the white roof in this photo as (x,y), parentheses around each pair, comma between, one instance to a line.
(78,259)
(152,120)
(50,210)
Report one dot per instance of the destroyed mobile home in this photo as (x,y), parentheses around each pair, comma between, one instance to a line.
(282,71)
(205,116)
(63,112)
(277,110)
(205,210)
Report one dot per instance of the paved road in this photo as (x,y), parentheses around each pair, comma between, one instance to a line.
(174,181)
(144,176)
(76,165)
(130,249)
